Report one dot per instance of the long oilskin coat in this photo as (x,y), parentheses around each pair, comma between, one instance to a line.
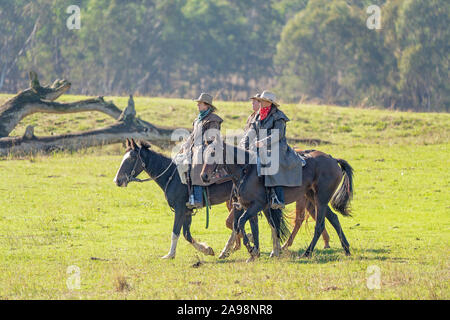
(197,142)
(290,165)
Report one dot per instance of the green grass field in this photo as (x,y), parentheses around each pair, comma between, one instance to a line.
(63,210)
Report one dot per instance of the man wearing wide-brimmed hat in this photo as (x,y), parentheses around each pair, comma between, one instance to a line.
(269,127)
(244,143)
(206,128)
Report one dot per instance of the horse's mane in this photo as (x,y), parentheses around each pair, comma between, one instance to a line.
(161,162)
(153,152)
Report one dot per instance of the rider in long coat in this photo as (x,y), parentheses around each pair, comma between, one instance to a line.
(269,138)
(206,128)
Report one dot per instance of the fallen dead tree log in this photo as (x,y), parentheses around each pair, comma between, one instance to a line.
(41,99)
(127,126)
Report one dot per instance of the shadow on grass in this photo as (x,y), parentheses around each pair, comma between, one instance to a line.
(323,256)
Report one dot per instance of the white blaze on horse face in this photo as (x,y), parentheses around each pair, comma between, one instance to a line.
(125,157)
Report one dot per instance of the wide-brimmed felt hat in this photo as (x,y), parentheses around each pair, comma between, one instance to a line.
(206,98)
(269,97)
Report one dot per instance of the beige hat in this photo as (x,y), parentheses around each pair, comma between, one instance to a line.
(206,98)
(269,97)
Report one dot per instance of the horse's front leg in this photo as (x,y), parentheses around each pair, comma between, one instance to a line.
(178,222)
(234,234)
(229,223)
(320,225)
(251,212)
(200,246)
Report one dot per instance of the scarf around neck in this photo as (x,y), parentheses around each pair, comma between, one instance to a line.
(264,112)
(203,114)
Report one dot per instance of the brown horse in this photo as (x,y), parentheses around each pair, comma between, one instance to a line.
(320,181)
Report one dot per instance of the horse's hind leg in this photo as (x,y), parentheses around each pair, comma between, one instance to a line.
(333,218)
(312,212)
(320,225)
(299,218)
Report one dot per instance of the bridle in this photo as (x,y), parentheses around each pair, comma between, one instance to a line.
(132,178)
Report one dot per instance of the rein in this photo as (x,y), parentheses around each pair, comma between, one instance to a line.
(133,179)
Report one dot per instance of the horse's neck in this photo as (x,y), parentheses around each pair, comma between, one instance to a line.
(235,168)
(155,166)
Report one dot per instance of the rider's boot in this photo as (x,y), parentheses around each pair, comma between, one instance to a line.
(195,199)
(277,198)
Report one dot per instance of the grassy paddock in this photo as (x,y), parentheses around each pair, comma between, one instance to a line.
(63,210)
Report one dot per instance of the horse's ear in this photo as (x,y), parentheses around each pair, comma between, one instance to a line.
(127,145)
(145,144)
(133,144)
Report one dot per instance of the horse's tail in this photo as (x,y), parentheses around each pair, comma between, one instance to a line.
(341,199)
(279,221)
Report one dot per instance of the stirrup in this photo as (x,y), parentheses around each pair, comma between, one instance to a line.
(276,203)
(191,204)
(196,205)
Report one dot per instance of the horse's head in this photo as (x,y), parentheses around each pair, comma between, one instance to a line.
(132,163)
(214,160)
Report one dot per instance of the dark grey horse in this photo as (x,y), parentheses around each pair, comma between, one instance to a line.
(320,180)
(160,168)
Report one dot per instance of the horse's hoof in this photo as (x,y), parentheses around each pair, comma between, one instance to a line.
(168,256)
(274,254)
(327,246)
(348,254)
(255,253)
(209,251)
(305,256)
(224,254)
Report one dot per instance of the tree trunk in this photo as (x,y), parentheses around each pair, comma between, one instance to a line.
(41,99)
(128,126)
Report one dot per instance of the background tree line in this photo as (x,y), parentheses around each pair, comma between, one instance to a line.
(316,49)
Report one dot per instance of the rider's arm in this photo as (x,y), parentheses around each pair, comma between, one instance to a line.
(278,132)
(211,131)
(248,139)
(186,145)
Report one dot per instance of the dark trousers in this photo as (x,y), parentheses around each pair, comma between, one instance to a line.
(279,191)
(198,194)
